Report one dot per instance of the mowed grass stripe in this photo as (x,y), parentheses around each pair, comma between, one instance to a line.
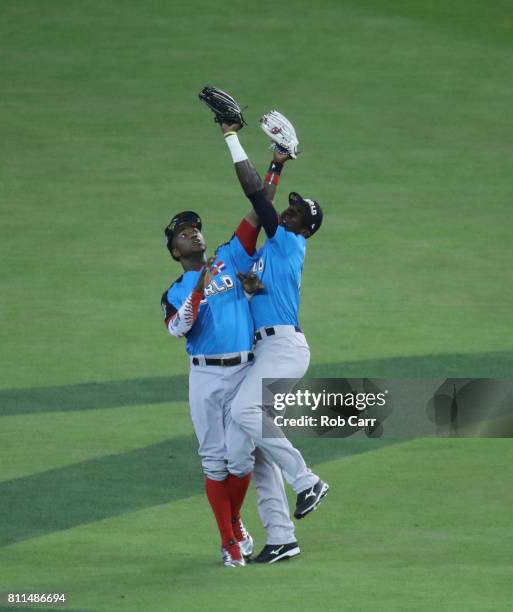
(92,395)
(406,525)
(35,443)
(116,483)
(77,422)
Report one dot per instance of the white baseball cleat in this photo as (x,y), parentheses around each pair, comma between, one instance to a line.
(230,560)
(246,544)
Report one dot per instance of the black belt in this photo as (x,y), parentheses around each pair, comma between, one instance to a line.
(231,361)
(270,331)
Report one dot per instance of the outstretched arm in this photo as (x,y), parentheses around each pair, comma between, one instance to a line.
(259,193)
(272,178)
(270,183)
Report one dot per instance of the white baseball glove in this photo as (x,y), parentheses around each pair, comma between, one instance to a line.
(282,133)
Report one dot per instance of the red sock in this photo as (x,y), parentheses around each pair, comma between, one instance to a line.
(237,488)
(219,498)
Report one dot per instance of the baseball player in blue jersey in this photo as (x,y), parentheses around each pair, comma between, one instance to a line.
(281,350)
(208,306)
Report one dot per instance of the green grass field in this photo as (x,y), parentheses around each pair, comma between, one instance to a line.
(404,114)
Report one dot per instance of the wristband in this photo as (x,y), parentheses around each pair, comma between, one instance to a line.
(237,152)
(273,174)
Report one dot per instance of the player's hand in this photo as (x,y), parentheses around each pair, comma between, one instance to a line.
(250,282)
(205,276)
(279,157)
(230,127)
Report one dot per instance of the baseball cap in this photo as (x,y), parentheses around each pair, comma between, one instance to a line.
(313,209)
(187,217)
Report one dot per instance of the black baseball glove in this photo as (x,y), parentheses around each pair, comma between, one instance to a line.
(225,108)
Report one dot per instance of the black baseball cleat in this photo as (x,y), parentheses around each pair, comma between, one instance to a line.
(271,553)
(309,499)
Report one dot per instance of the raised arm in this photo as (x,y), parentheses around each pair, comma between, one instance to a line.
(259,193)
(272,178)
(270,183)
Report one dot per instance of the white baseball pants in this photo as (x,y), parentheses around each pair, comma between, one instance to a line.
(224,448)
(283,355)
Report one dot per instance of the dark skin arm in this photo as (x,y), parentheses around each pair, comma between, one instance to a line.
(251,182)
(250,179)
(270,188)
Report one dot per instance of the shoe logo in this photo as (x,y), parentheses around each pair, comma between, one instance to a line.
(311,493)
(277,551)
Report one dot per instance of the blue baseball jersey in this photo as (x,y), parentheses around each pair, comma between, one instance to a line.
(279,264)
(224,323)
